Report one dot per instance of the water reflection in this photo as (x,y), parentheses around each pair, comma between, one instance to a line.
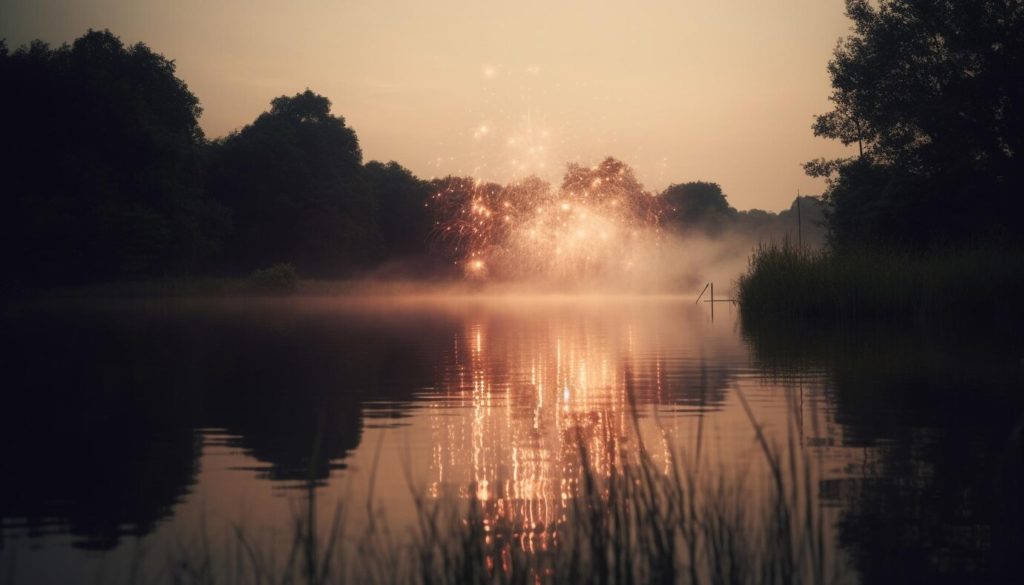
(536,391)
(123,418)
(533,389)
(94,443)
(936,495)
(108,405)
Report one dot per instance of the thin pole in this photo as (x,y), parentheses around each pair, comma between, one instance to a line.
(799,223)
(702,293)
(712,302)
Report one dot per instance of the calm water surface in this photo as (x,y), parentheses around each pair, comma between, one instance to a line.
(129,427)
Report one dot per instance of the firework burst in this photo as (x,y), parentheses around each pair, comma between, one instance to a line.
(588,229)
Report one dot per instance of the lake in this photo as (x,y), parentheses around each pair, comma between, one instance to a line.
(138,434)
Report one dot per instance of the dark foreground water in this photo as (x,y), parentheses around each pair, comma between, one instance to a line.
(133,429)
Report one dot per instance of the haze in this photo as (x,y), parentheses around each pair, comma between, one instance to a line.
(717,91)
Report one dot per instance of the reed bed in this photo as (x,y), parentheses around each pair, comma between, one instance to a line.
(637,520)
(783,281)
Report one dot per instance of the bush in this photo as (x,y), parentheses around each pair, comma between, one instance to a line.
(279,278)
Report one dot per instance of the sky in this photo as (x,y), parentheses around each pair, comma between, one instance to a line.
(715,90)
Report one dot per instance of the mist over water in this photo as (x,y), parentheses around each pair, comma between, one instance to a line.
(652,263)
(599,231)
(565,324)
(266,355)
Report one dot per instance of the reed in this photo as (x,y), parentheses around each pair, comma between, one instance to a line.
(783,281)
(639,520)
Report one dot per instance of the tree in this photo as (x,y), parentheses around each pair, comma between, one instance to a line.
(101,164)
(698,205)
(612,183)
(293,180)
(460,225)
(400,202)
(931,92)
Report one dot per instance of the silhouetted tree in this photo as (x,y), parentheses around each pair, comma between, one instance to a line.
(293,180)
(100,164)
(400,200)
(931,93)
(697,205)
(610,183)
(454,231)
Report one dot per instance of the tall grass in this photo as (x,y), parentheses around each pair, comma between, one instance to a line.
(637,520)
(956,285)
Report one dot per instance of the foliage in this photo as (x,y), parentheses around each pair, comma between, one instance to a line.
(101,164)
(640,520)
(931,92)
(698,205)
(293,180)
(110,178)
(940,287)
(400,201)
(590,228)
(607,180)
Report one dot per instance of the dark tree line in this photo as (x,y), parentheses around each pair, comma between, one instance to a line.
(293,181)
(101,163)
(930,94)
(701,208)
(106,175)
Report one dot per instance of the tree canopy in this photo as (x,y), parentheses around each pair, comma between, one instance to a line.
(293,180)
(930,91)
(697,205)
(101,163)
(107,176)
(400,202)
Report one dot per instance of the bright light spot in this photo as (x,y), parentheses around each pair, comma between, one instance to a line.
(598,222)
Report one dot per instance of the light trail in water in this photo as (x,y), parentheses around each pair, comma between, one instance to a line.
(524,471)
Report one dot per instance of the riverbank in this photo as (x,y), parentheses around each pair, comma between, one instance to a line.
(939,287)
(230,287)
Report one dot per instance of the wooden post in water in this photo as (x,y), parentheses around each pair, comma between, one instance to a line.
(702,292)
(712,302)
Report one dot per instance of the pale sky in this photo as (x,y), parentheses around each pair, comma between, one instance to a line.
(716,90)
